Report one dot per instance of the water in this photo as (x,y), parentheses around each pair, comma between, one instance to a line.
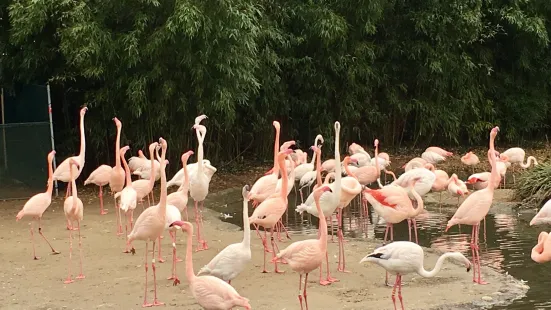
(505,247)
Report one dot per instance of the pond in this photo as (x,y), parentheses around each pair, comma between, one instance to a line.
(505,246)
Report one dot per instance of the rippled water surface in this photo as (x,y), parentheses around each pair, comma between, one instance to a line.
(505,246)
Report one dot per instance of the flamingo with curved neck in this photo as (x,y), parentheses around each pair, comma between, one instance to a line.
(265,186)
(199,186)
(116,180)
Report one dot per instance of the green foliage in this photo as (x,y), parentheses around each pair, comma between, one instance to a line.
(407,72)
(534,185)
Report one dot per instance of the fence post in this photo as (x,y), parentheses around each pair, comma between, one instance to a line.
(52,131)
(4,131)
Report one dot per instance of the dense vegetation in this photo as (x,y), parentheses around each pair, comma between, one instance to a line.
(533,187)
(407,71)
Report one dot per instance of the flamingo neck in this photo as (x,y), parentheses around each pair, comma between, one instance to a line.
(50,187)
(200,139)
(348,172)
(246,224)
(152,172)
(493,174)
(275,170)
(82,142)
(284,178)
(322,228)
(126,171)
(377,161)
(184,187)
(424,273)
(190,275)
(420,203)
(318,168)
(162,199)
(118,147)
(338,170)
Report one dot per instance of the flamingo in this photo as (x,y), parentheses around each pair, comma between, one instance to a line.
(265,186)
(404,257)
(136,162)
(439,151)
(541,253)
(149,226)
(475,207)
(100,177)
(432,157)
(199,186)
(268,213)
(441,180)
(73,209)
(143,187)
(368,174)
(359,154)
(479,180)
(457,188)
(416,162)
(61,173)
(543,216)
(516,155)
(149,167)
(470,159)
(116,179)
(37,205)
(302,169)
(307,255)
(179,177)
(180,197)
(233,259)
(209,292)
(128,197)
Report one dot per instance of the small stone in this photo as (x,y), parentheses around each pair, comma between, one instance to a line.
(487,298)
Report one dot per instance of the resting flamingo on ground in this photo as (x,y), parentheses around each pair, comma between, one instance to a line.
(541,253)
(209,292)
(265,186)
(416,162)
(143,187)
(470,159)
(116,179)
(61,173)
(100,177)
(199,186)
(475,207)
(128,198)
(37,205)
(180,197)
(403,257)
(307,255)
(233,259)
(432,157)
(543,216)
(74,212)
(268,213)
(149,227)
(439,151)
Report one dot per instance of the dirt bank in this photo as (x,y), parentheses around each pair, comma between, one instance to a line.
(115,280)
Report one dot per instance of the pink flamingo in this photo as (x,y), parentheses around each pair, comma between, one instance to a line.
(479,180)
(441,180)
(209,292)
(541,253)
(265,186)
(403,257)
(475,207)
(116,179)
(199,186)
(368,174)
(350,189)
(268,213)
(143,186)
(37,204)
(100,177)
(439,151)
(61,173)
(128,198)
(172,215)
(416,162)
(470,159)
(306,255)
(149,226)
(543,216)
(74,209)
(516,155)
(457,188)
(180,197)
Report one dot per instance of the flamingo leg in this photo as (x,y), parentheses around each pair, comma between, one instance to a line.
(145,303)
(276,270)
(393,296)
(160,258)
(299,291)
(44,237)
(69,279)
(156,301)
(148,202)
(81,275)
(119,230)
(330,279)
(264,243)
(473,235)
(101,210)
(152,197)
(304,292)
(409,229)
(187,216)
(415,230)
(332,231)
(126,244)
(203,245)
(198,223)
(174,259)
(342,261)
(480,281)
(400,291)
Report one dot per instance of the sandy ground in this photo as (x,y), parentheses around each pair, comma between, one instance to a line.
(115,280)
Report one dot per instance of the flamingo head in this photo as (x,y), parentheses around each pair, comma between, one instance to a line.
(199,118)
(245,192)
(276,125)
(503,157)
(472,180)
(316,149)
(152,148)
(269,171)
(320,190)
(162,142)
(83,111)
(124,149)
(51,156)
(186,156)
(186,226)
(117,122)
(376,143)
(337,126)
(494,131)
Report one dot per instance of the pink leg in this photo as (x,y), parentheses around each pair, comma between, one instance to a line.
(342,262)
(44,237)
(198,224)
(145,303)
(205,246)
(174,258)
(126,244)
(400,291)
(119,231)
(69,279)
(329,277)
(480,281)
(394,291)
(156,301)
(299,291)
(148,202)
(332,231)
(81,275)
(276,270)
(32,240)
(264,242)
(160,259)
(152,197)
(304,292)
(415,230)
(409,229)
(473,245)
(101,210)
(187,217)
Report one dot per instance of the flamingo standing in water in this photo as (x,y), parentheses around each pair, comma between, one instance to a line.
(149,227)
(306,255)
(143,186)
(37,204)
(475,207)
(128,198)
(470,159)
(180,197)
(404,257)
(233,259)
(100,177)
(74,212)
(268,213)
(199,186)
(457,188)
(209,292)
(541,253)
(265,186)
(116,179)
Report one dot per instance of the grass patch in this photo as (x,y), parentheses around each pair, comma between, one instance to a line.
(533,187)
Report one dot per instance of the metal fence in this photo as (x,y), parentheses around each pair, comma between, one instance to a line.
(26,138)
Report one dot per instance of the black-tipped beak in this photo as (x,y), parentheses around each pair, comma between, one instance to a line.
(469,268)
